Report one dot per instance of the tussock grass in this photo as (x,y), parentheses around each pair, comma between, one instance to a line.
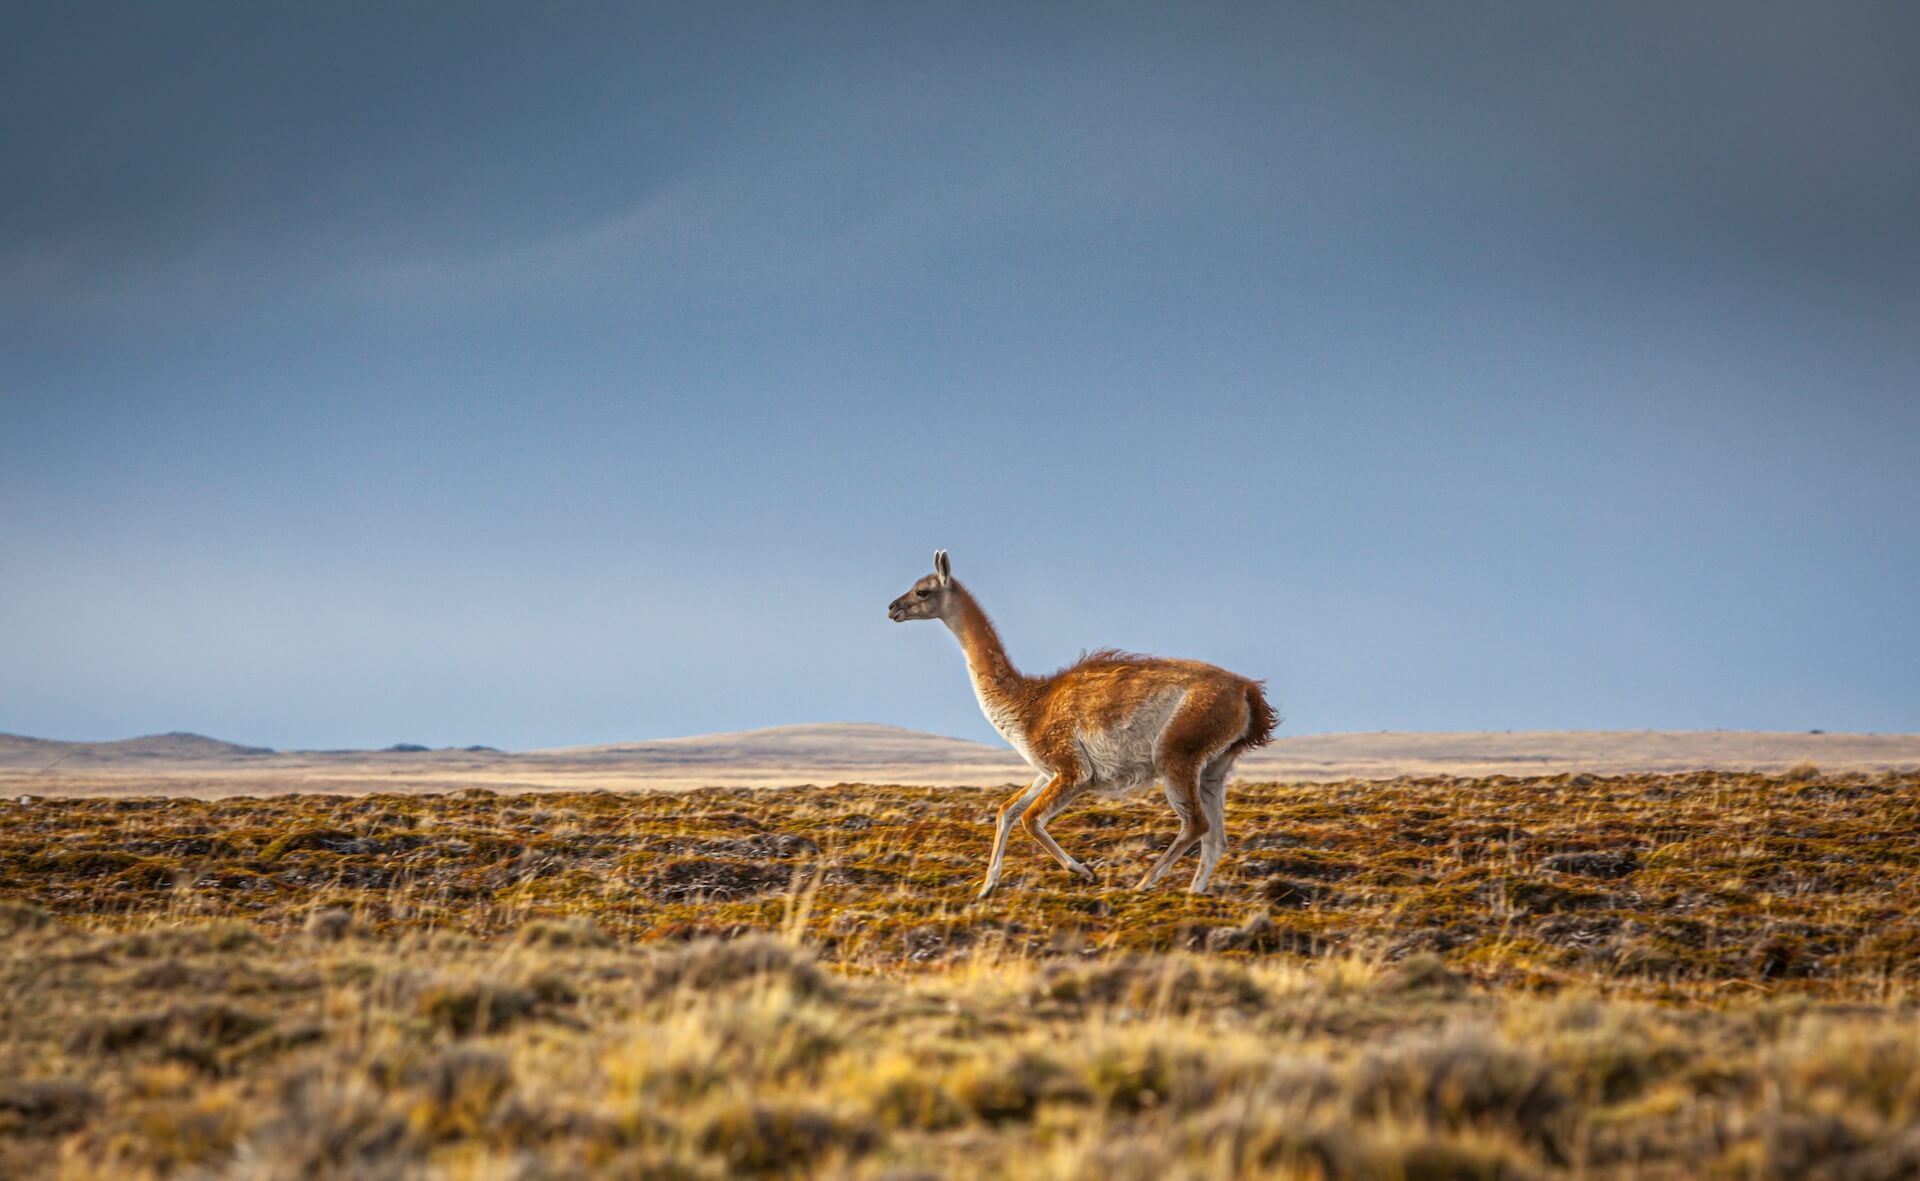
(1641,977)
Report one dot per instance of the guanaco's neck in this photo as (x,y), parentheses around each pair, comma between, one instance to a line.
(993,673)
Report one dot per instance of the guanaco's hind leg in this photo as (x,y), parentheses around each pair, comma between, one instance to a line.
(1213,804)
(1192,826)
(1207,722)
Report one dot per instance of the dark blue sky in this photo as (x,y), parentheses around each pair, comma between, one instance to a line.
(550,374)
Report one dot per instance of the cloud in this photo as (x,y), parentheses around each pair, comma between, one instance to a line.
(308,164)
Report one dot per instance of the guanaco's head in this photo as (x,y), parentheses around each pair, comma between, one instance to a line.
(929,597)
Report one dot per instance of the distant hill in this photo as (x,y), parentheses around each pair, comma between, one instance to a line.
(175,746)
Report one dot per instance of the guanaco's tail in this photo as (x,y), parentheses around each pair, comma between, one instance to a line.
(1261,720)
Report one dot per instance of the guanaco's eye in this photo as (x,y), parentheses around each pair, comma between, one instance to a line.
(923,592)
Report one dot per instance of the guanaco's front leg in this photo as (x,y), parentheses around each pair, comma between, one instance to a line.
(1003,824)
(1058,794)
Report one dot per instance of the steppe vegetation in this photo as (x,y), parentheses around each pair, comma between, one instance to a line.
(1705,975)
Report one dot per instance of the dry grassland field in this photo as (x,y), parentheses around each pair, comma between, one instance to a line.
(1568,976)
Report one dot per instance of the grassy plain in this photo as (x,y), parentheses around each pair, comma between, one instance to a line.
(1663,976)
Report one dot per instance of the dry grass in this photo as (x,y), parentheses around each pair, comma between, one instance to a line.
(1703,975)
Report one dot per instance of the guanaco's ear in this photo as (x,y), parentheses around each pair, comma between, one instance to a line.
(942,567)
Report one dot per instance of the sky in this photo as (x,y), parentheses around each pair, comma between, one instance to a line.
(550,374)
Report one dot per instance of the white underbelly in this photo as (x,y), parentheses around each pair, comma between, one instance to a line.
(1121,758)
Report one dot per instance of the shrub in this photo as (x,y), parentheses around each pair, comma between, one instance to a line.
(459,1091)
(200,939)
(330,924)
(465,1007)
(190,1032)
(22,916)
(776,1137)
(1798,1146)
(1003,1089)
(45,1108)
(1878,1071)
(1255,1137)
(1421,973)
(327,1128)
(562,933)
(1606,1053)
(716,963)
(901,1093)
(1463,1079)
(1425,1155)
(1151,983)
